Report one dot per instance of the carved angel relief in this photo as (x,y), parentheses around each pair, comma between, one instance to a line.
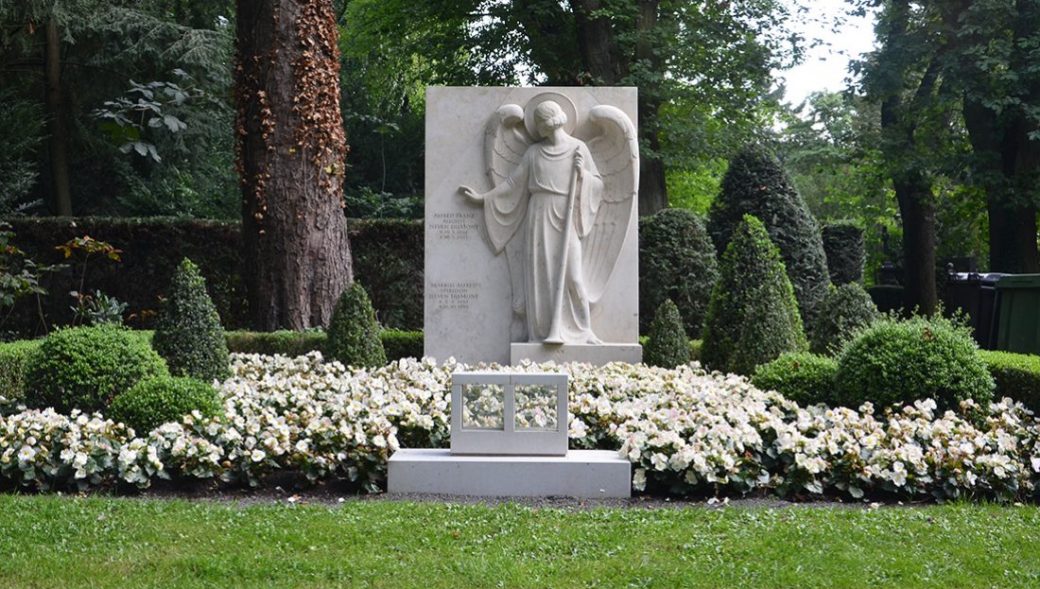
(559,210)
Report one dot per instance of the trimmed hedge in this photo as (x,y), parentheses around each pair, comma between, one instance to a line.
(14,361)
(353,334)
(1016,376)
(847,309)
(846,252)
(753,316)
(756,184)
(155,401)
(388,257)
(893,362)
(397,343)
(676,262)
(806,379)
(86,367)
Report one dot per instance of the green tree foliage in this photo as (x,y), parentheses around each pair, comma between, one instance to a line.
(86,367)
(897,362)
(753,315)
(111,55)
(676,262)
(757,185)
(843,244)
(354,332)
(155,401)
(703,69)
(845,310)
(188,333)
(667,345)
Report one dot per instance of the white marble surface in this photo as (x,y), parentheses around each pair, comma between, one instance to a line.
(468,291)
(581,473)
(588,354)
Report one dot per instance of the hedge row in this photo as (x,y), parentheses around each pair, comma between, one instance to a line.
(388,260)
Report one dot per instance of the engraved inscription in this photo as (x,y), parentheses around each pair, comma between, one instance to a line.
(455,296)
(455,226)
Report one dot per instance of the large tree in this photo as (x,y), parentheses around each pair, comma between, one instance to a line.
(291,150)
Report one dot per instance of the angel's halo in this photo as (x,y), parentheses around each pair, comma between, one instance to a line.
(565,103)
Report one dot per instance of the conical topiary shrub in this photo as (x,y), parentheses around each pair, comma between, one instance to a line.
(354,332)
(676,261)
(756,184)
(667,345)
(753,316)
(846,309)
(188,333)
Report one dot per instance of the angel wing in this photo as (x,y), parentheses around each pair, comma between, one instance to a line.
(616,152)
(505,142)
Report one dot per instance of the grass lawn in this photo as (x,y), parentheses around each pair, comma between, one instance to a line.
(66,542)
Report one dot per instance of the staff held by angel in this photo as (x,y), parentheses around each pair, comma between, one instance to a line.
(560,210)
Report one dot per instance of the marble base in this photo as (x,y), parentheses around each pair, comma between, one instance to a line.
(597,355)
(581,473)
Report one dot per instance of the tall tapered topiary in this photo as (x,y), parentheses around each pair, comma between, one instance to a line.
(667,345)
(756,184)
(677,261)
(354,332)
(188,333)
(753,315)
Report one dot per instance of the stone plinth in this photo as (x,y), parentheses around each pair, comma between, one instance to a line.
(581,473)
(597,355)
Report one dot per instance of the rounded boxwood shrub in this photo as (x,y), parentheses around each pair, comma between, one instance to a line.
(845,250)
(846,309)
(896,362)
(353,336)
(14,362)
(1016,376)
(677,261)
(86,367)
(155,401)
(188,333)
(753,316)
(756,184)
(667,345)
(806,379)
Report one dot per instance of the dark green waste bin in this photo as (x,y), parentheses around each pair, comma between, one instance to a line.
(1018,324)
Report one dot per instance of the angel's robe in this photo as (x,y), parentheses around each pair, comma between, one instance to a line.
(531,204)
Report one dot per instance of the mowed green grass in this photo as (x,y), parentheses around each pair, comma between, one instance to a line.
(66,542)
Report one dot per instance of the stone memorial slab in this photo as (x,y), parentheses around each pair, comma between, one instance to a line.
(531,224)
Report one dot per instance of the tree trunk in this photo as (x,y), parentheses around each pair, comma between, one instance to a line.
(918,213)
(61,196)
(291,150)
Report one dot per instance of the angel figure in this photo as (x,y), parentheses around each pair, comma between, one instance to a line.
(560,209)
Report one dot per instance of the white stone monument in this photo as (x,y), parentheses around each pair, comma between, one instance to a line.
(531,225)
(509,438)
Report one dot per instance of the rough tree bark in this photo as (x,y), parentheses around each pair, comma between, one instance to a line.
(61,195)
(291,150)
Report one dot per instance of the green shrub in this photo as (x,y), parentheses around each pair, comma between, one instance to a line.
(86,367)
(354,333)
(753,316)
(285,342)
(807,379)
(695,350)
(847,309)
(677,262)
(896,362)
(845,250)
(1016,376)
(400,344)
(756,184)
(155,401)
(14,362)
(188,333)
(667,345)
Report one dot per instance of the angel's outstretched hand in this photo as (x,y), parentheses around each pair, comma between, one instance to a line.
(471,195)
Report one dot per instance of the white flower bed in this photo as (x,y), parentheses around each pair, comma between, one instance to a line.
(684,430)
